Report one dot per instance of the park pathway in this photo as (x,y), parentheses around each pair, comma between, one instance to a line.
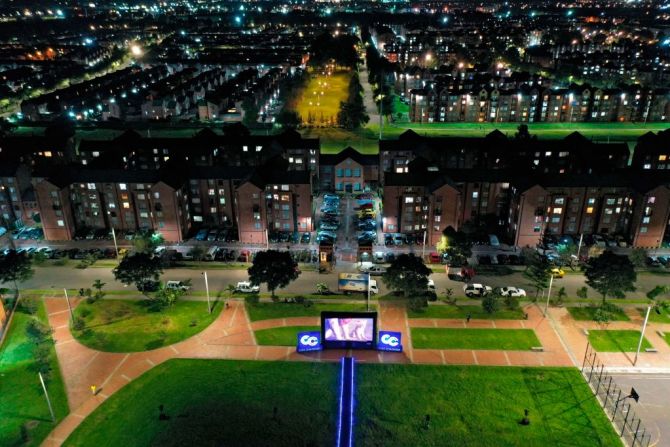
(368,95)
(231,336)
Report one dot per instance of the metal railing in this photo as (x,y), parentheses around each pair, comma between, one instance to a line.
(614,401)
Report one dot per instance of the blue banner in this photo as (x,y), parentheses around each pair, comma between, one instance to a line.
(390,341)
(309,341)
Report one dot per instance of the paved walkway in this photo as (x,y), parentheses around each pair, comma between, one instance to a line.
(231,336)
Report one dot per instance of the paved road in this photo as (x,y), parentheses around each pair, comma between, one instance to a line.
(654,405)
(67,276)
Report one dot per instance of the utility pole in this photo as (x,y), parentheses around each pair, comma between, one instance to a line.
(116,246)
(644,327)
(46,394)
(367,303)
(579,246)
(381,103)
(209,307)
(546,306)
(67,298)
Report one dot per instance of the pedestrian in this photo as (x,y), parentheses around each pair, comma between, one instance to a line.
(426,422)
(94,389)
(468,318)
(81,292)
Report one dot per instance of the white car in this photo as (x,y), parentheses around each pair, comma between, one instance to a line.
(512,291)
(374,270)
(247,287)
(431,285)
(476,290)
(178,285)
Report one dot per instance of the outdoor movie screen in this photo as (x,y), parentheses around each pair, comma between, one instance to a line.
(356,330)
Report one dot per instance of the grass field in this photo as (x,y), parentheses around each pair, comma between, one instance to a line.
(365,140)
(268,311)
(219,402)
(131,326)
(477,406)
(616,341)
(21,397)
(281,336)
(586,313)
(321,98)
(461,312)
(485,339)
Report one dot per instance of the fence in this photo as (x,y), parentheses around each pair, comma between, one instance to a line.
(614,401)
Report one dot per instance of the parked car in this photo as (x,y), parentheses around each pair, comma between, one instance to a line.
(247,287)
(222,235)
(305,238)
(512,291)
(373,270)
(388,239)
(201,235)
(177,285)
(476,290)
(324,225)
(398,239)
(378,257)
(3,230)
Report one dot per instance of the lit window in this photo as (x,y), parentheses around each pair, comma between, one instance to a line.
(60,223)
(222,200)
(558,210)
(212,209)
(157,195)
(245,148)
(47,153)
(197,218)
(662,157)
(210,192)
(122,186)
(409,199)
(651,199)
(643,229)
(90,185)
(259,148)
(645,220)
(589,210)
(475,195)
(126,205)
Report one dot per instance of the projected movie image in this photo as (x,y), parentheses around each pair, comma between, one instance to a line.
(349,329)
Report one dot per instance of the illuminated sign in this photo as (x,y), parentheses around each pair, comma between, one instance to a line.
(389,341)
(309,341)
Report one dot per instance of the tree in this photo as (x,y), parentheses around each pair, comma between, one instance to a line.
(147,241)
(274,268)
(250,112)
(638,256)
(583,292)
(610,275)
(407,274)
(15,267)
(99,294)
(166,296)
(138,269)
(6,127)
(456,244)
(656,291)
(537,271)
(289,118)
(197,253)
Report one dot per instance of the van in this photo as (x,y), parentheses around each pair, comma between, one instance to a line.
(211,253)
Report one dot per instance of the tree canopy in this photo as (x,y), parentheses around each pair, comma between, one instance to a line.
(274,268)
(15,267)
(407,274)
(538,271)
(610,275)
(340,49)
(138,269)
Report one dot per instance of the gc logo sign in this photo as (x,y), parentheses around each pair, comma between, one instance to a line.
(309,341)
(389,341)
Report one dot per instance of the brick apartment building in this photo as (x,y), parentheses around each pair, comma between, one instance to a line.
(348,171)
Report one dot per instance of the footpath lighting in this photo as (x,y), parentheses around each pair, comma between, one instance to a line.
(209,307)
(136,50)
(639,344)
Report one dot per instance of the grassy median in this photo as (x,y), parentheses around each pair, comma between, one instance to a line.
(485,339)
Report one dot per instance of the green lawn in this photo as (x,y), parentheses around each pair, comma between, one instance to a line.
(131,326)
(477,406)
(322,96)
(616,341)
(663,317)
(461,312)
(587,313)
(281,336)
(486,339)
(219,402)
(334,140)
(21,397)
(268,311)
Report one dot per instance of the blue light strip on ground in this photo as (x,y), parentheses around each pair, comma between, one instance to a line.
(339,417)
(351,405)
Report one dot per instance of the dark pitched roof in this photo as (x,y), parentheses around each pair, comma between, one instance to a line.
(349,152)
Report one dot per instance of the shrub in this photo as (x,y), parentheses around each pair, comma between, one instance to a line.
(430,296)
(28,306)
(78,324)
(37,331)
(417,304)
(583,293)
(84,312)
(511,302)
(490,303)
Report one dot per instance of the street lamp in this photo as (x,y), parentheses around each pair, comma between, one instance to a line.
(209,307)
(551,282)
(644,327)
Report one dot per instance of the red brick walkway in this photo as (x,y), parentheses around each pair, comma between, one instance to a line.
(231,336)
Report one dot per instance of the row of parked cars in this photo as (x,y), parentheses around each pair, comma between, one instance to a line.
(27,233)
(552,241)
(398,239)
(292,237)
(329,221)
(479,290)
(217,234)
(72,253)
(366,219)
